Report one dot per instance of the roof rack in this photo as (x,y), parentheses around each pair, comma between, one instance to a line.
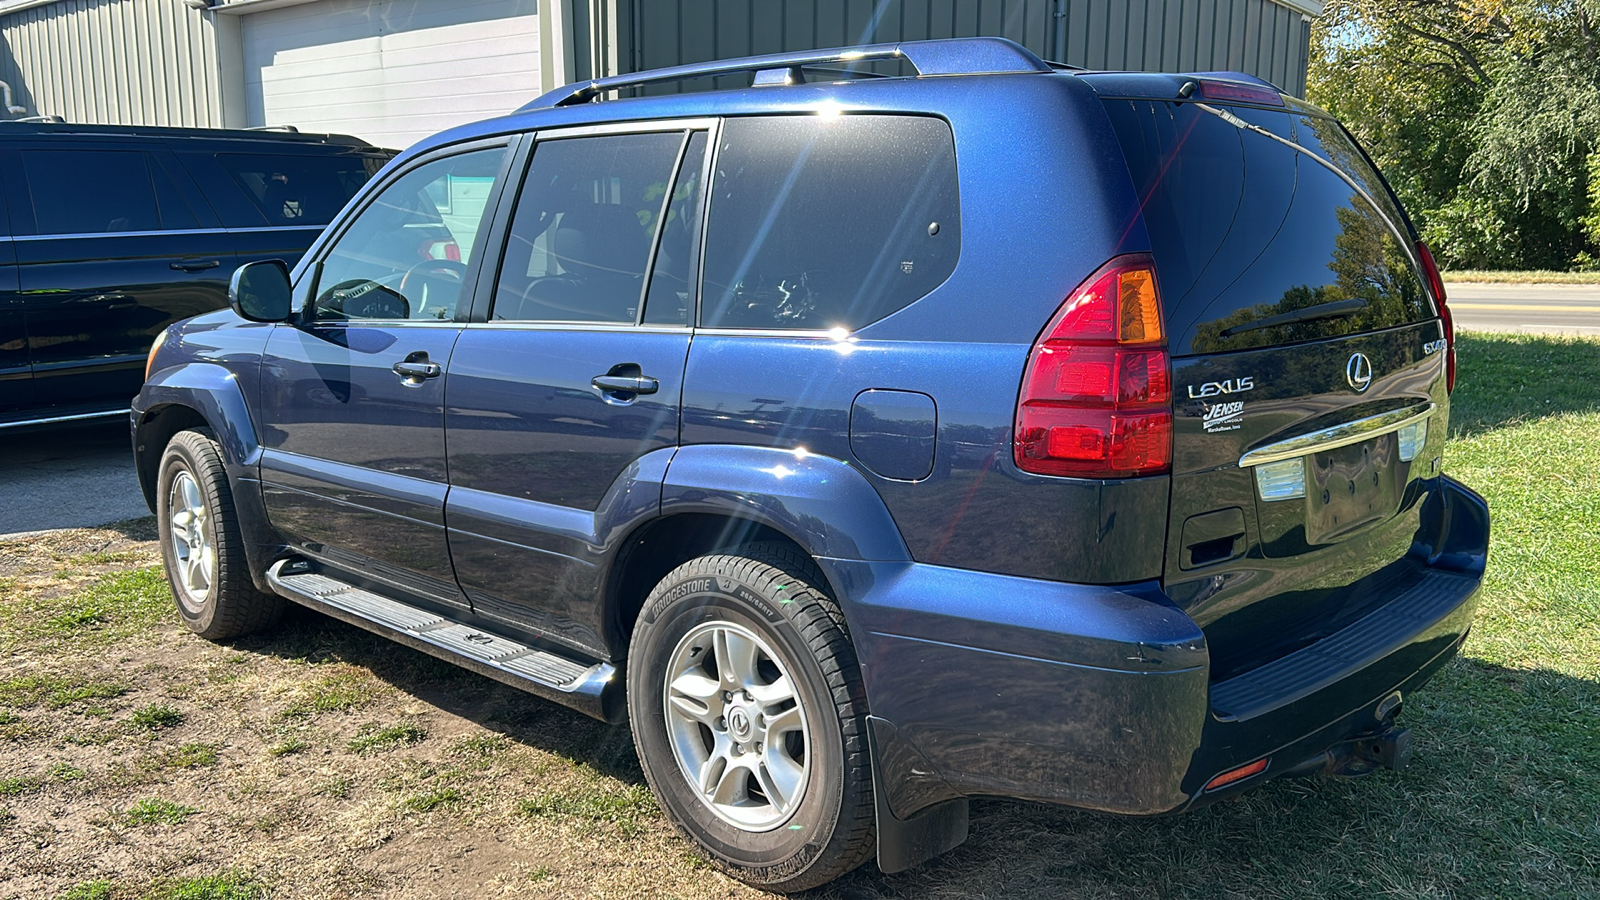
(958,56)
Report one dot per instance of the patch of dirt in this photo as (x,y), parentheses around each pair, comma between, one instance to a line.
(257,771)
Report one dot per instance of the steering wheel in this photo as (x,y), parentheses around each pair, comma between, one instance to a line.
(447,273)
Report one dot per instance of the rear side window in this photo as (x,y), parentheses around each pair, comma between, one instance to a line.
(1258,243)
(821,222)
(91,191)
(299,189)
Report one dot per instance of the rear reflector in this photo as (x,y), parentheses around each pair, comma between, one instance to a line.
(1430,270)
(1096,399)
(1285,480)
(1239,774)
(1232,91)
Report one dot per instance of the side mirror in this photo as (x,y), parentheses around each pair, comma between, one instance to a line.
(260,291)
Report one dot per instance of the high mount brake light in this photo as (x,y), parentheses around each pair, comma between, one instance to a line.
(1230,91)
(1096,399)
(1430,270)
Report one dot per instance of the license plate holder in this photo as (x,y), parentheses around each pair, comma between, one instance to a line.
(1349,489)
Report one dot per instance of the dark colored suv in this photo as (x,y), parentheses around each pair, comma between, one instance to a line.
(110,234)
(869,443)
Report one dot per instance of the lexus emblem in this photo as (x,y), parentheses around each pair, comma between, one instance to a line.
(1358,371)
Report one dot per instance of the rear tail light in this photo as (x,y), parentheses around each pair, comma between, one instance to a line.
(1096,399)
(1436,284)
(446,249)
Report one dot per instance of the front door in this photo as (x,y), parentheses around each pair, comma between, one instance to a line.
(354,467)
(16,375)
(575,376)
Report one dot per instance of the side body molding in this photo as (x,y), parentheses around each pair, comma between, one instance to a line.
(822,503)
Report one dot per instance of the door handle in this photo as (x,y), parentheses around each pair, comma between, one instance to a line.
(196,266)
(416,368)
(626,384)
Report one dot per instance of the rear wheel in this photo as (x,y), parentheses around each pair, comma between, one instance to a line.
(749,718)
(201,543)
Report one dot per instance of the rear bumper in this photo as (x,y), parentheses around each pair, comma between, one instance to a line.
(1100,697)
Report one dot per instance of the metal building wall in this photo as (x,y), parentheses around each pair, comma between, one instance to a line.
(1261,37)
(131,62)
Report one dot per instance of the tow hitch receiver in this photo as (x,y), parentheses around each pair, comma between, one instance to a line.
(1387,748)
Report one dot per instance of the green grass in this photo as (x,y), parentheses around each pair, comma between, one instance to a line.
(373,739)
(287,747)
(22,784)
(339,692)
(1540,276)
(99,889)
(227,886)
(192,756)
(54,691)
(155,811)
(432,799)
(112,608)
(600,803)
(156,716)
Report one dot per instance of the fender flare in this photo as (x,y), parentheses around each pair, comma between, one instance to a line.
(823,504)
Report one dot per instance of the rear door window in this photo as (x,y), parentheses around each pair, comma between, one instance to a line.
(92,191)
(300,189)
(584,226)
(1249,232)
(823,222)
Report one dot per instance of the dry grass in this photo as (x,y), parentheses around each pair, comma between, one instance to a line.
(318,761)
(1536,276)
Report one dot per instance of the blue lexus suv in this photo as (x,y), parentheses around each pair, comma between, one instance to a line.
(903,424)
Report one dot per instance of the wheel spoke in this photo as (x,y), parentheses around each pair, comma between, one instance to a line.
(191,494)
(736,659)
(784,722)
(770,695)
(779,776)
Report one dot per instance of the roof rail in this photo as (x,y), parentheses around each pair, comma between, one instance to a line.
(957,56)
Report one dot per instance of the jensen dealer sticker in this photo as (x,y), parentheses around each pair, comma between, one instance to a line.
(1224,416)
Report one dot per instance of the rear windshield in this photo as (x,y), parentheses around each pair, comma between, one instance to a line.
(1256,242)
(299,190)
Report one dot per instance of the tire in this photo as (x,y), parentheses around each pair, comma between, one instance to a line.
(784,748)
(201,543)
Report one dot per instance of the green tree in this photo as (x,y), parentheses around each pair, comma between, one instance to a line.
(1484,114)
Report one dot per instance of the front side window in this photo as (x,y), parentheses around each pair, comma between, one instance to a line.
(406,253)
(582,233)
(823,222)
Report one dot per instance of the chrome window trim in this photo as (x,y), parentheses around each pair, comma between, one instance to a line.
(648,126)
(1342,435)
(69,235)
(72,418)
(629,327)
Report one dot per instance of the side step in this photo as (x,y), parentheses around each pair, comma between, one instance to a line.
(595,690)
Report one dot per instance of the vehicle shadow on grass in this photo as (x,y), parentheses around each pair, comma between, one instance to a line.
(1499,801)
(1512,379)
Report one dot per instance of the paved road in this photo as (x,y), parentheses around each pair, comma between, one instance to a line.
(67,478)
(1532,308)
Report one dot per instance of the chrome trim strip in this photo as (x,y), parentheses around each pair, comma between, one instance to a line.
(1338,436)
(85,235)
(74,418)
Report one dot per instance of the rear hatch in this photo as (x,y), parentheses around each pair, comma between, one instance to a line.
(1308,371)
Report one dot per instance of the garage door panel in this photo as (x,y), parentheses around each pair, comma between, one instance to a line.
(389,71)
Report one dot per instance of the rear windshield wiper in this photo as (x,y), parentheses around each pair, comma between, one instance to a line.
(1309,314)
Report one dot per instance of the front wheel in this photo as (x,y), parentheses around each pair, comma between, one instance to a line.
(201,543)
(749,717)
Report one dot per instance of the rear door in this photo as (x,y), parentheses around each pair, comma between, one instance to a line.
(352,412)
(1308,365)
(109,254)
(577,372)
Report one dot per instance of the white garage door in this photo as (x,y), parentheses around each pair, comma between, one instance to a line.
(389,71)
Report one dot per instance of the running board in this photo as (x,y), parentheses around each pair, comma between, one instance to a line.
(595,690)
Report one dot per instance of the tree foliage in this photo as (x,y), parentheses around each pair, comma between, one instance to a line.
(1484,115)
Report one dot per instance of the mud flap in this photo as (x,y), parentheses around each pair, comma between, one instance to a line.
(906,843)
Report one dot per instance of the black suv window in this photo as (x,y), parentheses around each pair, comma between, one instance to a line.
(1247,230)
(581,235)
(406,252)
(822,222)
(91,191)
(299,190)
